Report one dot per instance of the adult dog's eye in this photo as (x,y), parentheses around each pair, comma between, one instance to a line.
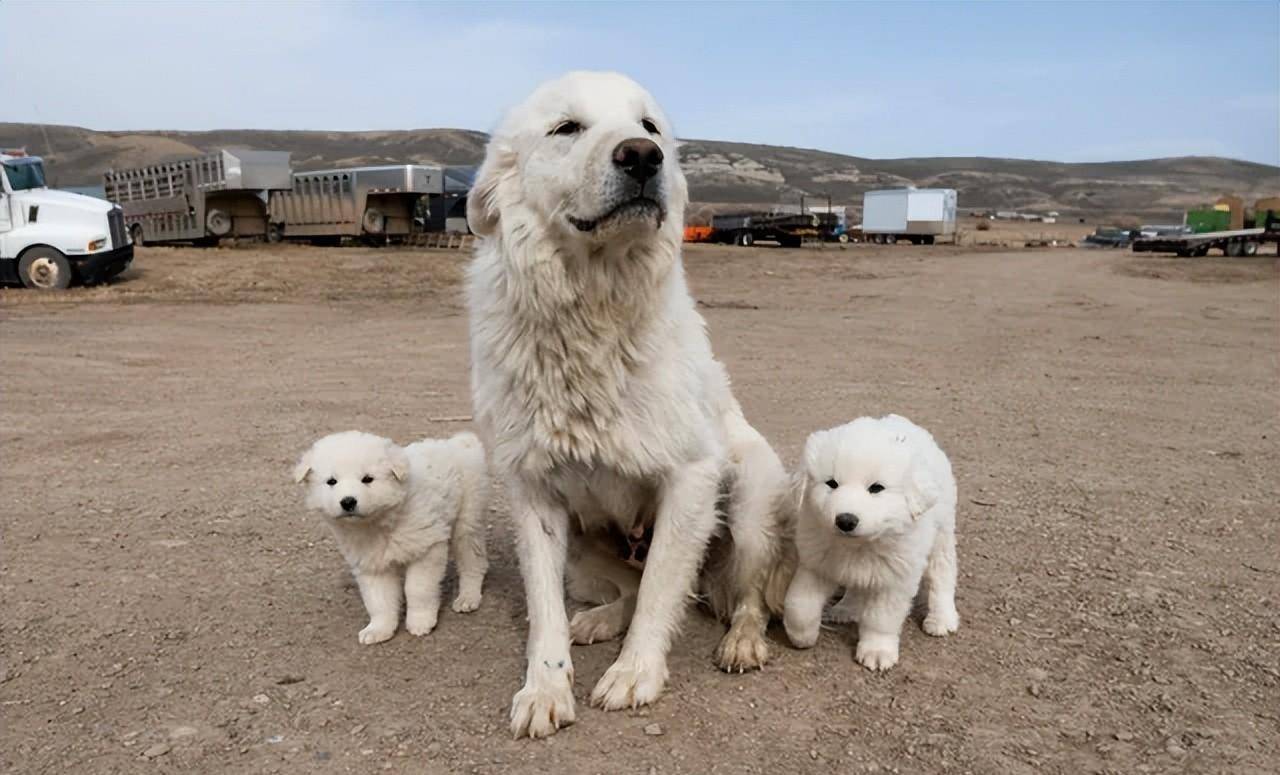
(567,128)
(875,488)
(832,483)
(367,479)
(331,481)
(649,126)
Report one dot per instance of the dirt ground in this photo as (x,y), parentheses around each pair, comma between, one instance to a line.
(169,607)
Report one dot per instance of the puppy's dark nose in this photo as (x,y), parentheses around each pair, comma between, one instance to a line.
(846,522)
(640,158)
(348,504)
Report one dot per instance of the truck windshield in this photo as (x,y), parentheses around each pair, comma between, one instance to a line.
(24,174)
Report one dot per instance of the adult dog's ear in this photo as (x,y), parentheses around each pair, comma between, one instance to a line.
(398,461)
(303,469)
(482,200)
(922,492)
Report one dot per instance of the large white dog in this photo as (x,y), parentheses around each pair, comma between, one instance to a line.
(597,394)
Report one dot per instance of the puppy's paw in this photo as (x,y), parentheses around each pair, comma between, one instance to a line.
(604,622)
(376,633)
(466,602)
(877,652)
(420,622)
(540,709)
(741,649)
(940,623)
(629,683)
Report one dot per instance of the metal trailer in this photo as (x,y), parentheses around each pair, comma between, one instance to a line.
(787,229)
(374,203)
(917,215)
(222,194)
(1238,242)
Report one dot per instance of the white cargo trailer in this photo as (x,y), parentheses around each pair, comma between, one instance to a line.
(917,215)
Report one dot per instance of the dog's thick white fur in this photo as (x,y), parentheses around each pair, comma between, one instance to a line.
(877,515)
(395,511)
(597,393)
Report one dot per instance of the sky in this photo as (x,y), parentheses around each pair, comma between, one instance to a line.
(1072,81)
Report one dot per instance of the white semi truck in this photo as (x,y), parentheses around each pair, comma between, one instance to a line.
(920,216)
(49,239)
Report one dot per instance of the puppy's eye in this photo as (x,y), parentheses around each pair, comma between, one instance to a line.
(567,128)
(331,481)
(832,483)
(649,126)
(875,488)
(367,479)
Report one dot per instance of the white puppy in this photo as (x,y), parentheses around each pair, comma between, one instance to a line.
(395,511)
(598,396)
(877,513)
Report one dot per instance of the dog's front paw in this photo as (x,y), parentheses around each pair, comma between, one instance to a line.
(604,622)
(940,623)
(420,622)
(466,602)
(877,652)
(742,648)
(629,683)
(540,709)
(376,632)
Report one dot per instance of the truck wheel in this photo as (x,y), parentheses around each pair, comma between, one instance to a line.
(44,269)
(218,223)
(1249,249)
(135,234)
(746,240)
(928,240)
(843,239)
(1233,249)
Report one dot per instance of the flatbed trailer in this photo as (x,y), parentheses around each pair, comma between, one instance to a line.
(1238,242)
(787,229)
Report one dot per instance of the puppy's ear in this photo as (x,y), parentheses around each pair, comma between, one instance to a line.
(399,462)
(482,200)
(921,491)
(303,469)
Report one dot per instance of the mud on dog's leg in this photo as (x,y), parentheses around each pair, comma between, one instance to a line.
(685,521)
(381,595)
(422,580)
(545,703)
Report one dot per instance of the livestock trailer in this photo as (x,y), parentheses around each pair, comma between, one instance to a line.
(374,203)
(917,215)
(221,194)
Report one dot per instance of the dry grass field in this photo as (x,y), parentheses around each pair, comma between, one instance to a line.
(1112,419)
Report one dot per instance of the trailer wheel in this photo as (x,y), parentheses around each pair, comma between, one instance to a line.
(843,239)
(44,269)
(1249,248)
(275,232)
(374,222)
(928,239)
(891,239)
(746,240)
(135,234)
(218,223)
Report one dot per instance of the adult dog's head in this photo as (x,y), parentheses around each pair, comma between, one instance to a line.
(589,158)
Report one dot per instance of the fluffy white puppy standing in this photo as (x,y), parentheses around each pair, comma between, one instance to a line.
(877,515)
(597,394)
(395,511)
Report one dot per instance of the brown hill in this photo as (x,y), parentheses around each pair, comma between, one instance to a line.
(719,172)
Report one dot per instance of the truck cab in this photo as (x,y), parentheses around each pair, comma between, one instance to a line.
(48,238)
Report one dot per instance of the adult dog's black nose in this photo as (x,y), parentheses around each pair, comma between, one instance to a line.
(846,522)
(348,504)
(639,158)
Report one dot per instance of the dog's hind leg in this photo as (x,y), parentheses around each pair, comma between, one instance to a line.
(545,703)
(468,544)
(686,518)
(758,489)
(940,575)
(592,571)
